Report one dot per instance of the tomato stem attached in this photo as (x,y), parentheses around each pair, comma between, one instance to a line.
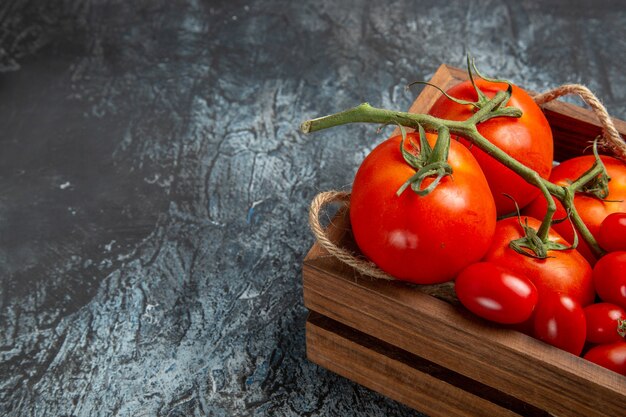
(431,162)
(621,327)
(594,181)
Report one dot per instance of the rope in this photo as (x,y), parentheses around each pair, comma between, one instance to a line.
(362,265)
(612,139)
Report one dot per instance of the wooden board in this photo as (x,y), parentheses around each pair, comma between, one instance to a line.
(358,320)
(403,376)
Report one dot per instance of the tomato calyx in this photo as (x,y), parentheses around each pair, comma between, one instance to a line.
(482,98)
(428,162)
(621,327)
(533,246)
(597,186)
(499,110)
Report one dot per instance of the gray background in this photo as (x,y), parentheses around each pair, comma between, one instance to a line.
(154,185)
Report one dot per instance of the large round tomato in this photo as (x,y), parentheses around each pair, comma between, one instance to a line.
(528,139)
(422,239)
(592,210)
(564,271)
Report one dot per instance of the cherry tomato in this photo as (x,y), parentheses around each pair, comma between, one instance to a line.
(422,239)
(565,272)
(527,139)
(560,321)
(611,356)
(604,323)
(591,209)
(496,294)
(609,278)
(612,233)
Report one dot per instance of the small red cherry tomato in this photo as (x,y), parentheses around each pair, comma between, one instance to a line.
(559,320)
(611,356)
(494,293)
(609,278)
(605,322)
(612,233)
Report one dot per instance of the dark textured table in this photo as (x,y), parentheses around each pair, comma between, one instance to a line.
(154,186)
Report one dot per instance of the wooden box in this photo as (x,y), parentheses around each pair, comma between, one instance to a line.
(434,356)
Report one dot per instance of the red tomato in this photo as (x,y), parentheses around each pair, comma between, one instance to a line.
(422,239)
(527,139)
(603,322)
(560,321)
(612,233)
(591,210)
(496,294)
(565,272)
(611,356)
(609,278)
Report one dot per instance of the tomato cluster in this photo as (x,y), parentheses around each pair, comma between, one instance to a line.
(444,228)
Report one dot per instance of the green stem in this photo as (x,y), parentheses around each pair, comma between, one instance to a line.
(568,202)
(544,229)
(442,146)
(365,113)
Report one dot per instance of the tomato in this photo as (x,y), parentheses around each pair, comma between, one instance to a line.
(612,233)
(422,239)
(496,294)
(603,322)
(611,356)
(592,210)
(560,321)
(564,271)
(528,139)
(609,278)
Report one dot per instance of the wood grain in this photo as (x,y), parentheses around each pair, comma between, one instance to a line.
(398,315)
(403,376)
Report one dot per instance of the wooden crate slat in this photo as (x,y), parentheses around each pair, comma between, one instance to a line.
(402,376)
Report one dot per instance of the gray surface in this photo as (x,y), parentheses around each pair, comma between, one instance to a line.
(154,186)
